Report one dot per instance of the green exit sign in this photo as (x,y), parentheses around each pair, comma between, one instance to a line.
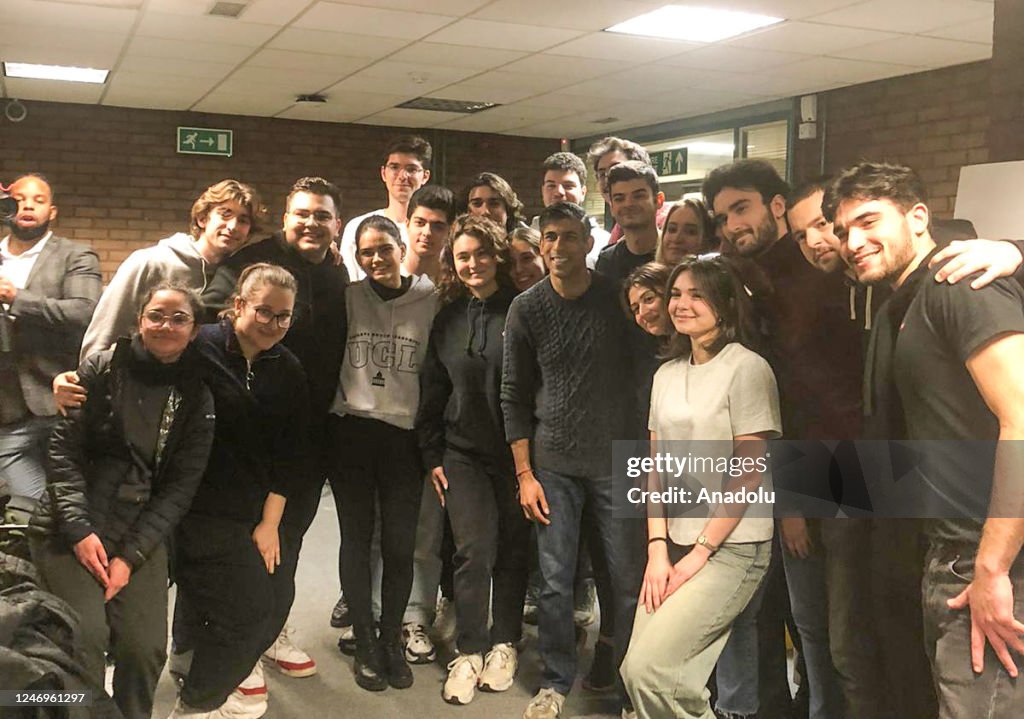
(205,141)
(669,162)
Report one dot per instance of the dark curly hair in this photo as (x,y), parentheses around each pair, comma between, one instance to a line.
(492,236)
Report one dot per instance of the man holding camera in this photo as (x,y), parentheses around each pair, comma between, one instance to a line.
(49,287)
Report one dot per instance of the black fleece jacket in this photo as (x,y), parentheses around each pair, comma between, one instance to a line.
(460,384)
(100,481)
(262,431)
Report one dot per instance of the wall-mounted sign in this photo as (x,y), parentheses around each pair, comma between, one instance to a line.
(669,162)
(205,141)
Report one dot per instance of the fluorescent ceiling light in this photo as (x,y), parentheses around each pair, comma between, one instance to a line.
(55,72)
(696,24)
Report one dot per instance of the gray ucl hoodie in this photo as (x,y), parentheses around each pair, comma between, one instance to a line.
(175,259)
(384,352)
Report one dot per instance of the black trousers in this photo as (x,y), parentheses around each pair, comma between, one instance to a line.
(379,464)
(132,626)
(491,543)
(229,608)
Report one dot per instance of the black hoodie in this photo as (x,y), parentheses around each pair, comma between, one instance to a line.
(460,385)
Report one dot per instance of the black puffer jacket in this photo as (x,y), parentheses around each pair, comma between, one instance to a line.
(96,481)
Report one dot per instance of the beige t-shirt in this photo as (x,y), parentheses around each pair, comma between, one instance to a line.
(733,394)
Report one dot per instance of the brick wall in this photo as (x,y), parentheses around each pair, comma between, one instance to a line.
(935,122)
(120,184)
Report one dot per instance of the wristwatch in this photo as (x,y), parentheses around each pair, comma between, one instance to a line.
(703,541)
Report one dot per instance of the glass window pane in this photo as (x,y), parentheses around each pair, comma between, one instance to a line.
(767,142)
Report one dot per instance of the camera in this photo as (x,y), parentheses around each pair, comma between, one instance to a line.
(8,206)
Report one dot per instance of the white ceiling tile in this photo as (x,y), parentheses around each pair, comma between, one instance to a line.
(159,81)
(508,36)
(407,87)
(570,69)
(269,12)
(481,123)
(731,58)
(471,92)
(360,104)
(264,103)
(52,90)
(482,58)
(304,83)
(787,9)
(561,99)
(402,117)
(687,79)
(909,16)
(306,62)
(613,46)
(591,15)
(66,38)
(529,112)
(977,31)
(336,43)
(557,129)
(444,7)
(47,15)
(393,70)
(828,70)
(156,98)
(197,50)
(206,28)
(810,38)
(536,84)
(313,112)
(188,68)
(371,21)
(923,52)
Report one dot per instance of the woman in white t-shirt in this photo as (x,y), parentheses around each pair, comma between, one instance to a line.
(704,567)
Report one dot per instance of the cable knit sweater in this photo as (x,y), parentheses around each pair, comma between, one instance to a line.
(567,380)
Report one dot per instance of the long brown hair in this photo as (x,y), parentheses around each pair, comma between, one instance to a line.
(491,236)
(722,289)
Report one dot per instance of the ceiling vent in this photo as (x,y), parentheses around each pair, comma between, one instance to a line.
(437,104)
(314,98)
(605,121)
(227,9)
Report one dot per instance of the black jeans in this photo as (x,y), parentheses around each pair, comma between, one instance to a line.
(132,626)
(380,463)
(491,544)
(229,608)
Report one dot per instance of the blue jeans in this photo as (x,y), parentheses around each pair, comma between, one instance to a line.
(568,499)
(808,597)
(736,676)
(23,456)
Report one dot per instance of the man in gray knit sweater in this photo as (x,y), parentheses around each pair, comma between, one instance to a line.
(566,395)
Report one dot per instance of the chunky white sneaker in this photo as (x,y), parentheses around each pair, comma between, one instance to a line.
(547,704)
(249,700)
(499,668)
(182,710)
(288,658)
(444,621)
(418,647)
(463,674)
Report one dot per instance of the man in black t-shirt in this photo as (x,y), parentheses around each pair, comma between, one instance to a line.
(636,198)
(947,363)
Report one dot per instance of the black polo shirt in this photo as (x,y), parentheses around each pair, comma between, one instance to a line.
(944,326)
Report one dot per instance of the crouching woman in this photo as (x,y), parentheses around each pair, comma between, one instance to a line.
(122,473)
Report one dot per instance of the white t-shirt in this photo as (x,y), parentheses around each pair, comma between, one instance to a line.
(348,244)
(17,268)
(733,394)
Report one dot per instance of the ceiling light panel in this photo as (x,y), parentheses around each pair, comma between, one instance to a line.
(692,23)
(55,72)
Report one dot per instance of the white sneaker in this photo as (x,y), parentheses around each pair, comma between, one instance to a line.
(227,710)
(288,658)
(547,704)
(418,647)
(463,674)
(444,621)
(628,713)
(249,700)
(499,668)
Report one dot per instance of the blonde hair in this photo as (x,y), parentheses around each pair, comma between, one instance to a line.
(253,277)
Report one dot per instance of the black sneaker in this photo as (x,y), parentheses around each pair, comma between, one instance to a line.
(601,677)
(392,652)
(339,615)
(368,667)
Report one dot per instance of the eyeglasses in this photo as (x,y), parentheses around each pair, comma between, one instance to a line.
(179,320)
(265,317)
(321,217)
(411,170)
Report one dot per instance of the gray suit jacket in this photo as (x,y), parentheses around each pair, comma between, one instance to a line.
(50,316)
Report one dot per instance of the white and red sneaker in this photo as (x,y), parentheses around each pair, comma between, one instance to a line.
(288,658)
(250,699)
